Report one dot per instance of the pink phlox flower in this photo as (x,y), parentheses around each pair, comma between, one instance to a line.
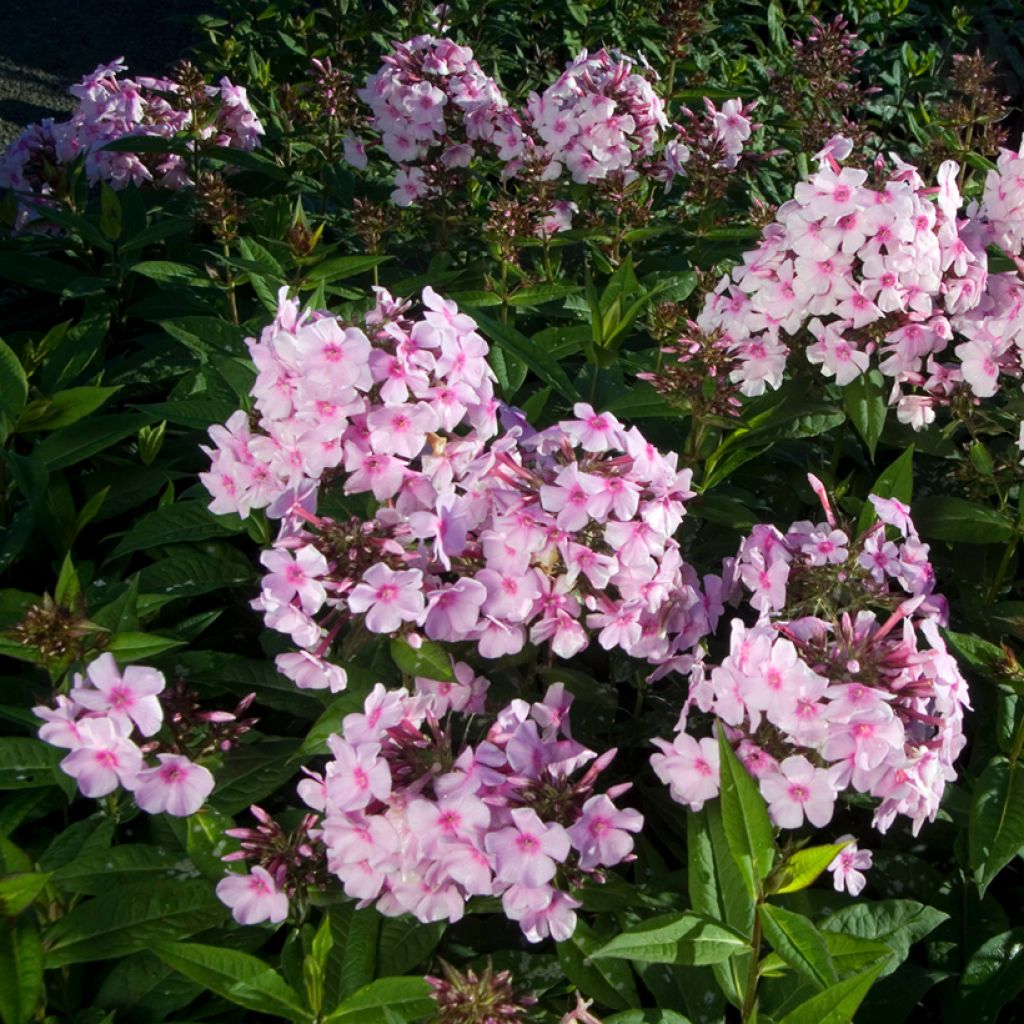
(601,835)
(592,431)
(797,791)
(104,759)
(848,867)
(309,672)
(356,776)
(131,695)
(388,598)
(689,767)
(176,785)
(296,575)
(253,898)
(528,852)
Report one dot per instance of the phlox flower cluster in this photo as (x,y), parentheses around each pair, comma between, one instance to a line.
(492,535)
(112,107)
(709,142)
(431,95)
(601,117)
(418,820)
(106,722)
(887,276)
(843,682)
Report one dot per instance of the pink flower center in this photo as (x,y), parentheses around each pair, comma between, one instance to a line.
(528,844)
(801,794)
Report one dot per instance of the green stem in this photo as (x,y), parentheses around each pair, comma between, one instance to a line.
(1009,551)
(750,996)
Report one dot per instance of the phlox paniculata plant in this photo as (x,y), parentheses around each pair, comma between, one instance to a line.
(875,269)
(115,723)
(110,107)
(485,531)
(842,681)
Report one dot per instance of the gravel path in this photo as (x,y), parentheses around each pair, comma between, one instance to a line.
(46,45)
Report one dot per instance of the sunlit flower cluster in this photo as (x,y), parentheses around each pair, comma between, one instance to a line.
(843,682)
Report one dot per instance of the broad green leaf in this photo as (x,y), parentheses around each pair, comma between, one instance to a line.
(996,828)
(131,918)
(799,943)
(64,408)
(681,938)
(407,998)
(865,403)
(129,647)
(430,660)
(21,970)
(36,272)
(95,872)
(609,980)
(535,357)
(75,444)
(837,1004)
(192,574)
(717,890)
(847,953)
(404,943)
(251,772)
(28,763)
(18,891)
(352,961)
(541,293)
(993,978)
(745,819)
(897,923)
(166,270)
(340,267)
(239,977)
(143,987)
(172,524)
(13,388)
(957,520)
(203,837)
(802,868)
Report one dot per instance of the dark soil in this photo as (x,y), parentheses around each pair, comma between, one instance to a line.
(46,45)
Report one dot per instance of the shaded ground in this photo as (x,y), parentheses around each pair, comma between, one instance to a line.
(46,45)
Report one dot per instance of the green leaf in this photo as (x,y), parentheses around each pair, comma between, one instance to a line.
(165,270)
(251,772)
(131,918)
(129,647)
(13,388)
(996,826)
(993,978)
(64,408)
(340,267)
(717,890)
(27,763)
(535,357)
(21,970)
(682,938)
(97,871)
(430,660)
(837,1004)
(18,891)
(404,943)
(865,403)
(110,212)
(408,998)
(897,923)
(189,575)
(172,524)
(72,445)
(748,830)
(69,589)
(352,960)
(36,271)
(238,977)
(799,943)
(946,517)
(541,293)
(609,980)
(802,868)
